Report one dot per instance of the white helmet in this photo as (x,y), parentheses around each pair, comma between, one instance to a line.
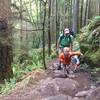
(66,50)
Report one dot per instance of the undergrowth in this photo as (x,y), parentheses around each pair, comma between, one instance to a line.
(23,64)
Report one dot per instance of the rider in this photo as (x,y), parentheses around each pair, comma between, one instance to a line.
(65,58)
(65,40)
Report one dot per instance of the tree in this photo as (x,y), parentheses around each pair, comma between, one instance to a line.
(99,8)
(89,15)
(5,40)
(81,12)
(85,13)
(56,21)
(45,2)
(75,15)
(21,22)
(49,32)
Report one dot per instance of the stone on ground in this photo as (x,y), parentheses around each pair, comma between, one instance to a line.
(58,97)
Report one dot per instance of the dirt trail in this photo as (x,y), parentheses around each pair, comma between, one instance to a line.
(49,87)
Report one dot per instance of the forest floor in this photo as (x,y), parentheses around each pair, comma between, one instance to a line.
(51,85)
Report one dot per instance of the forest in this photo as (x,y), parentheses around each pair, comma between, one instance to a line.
(29,53)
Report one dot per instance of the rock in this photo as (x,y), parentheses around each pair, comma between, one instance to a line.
(59,73)
(82,94)
(44,90)
(78,98)
(93,87)
(62,85)
(71,76)
(97,83)
(58,97)
(44,81)
(34,93)
(66,86)
(55,66)
(94,94)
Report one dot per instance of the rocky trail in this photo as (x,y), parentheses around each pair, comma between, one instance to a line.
(51,85)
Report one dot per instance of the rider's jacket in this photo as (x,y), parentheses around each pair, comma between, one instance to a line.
(66,59)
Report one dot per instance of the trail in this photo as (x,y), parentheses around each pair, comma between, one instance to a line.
(50,85)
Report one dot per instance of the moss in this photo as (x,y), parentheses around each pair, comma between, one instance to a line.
(85,47)
(94,23)
(95,57)
(90,42)
(92,58)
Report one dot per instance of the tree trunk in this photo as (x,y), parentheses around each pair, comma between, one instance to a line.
(65,10)
(56,21)
(70,22)
(76,16)
(89,9)
(44,35)
(85,13)
(5,41)
(81,13)
(99,8)
(21,22)
(88,16)
(49,32)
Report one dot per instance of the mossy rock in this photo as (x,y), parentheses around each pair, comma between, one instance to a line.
(92,58)
(85,47)
(90,44)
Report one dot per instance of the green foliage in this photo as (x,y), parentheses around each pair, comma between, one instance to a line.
(4,89)
(87,30)
(90,43)
(85,47)
(94,57)
(53,55)
(24,64)
(91,57)
(95,73)
(54,52)
(33,61)
(94,23)
(36,55)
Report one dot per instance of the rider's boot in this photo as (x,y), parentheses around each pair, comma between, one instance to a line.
(59,66)
(66,72)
